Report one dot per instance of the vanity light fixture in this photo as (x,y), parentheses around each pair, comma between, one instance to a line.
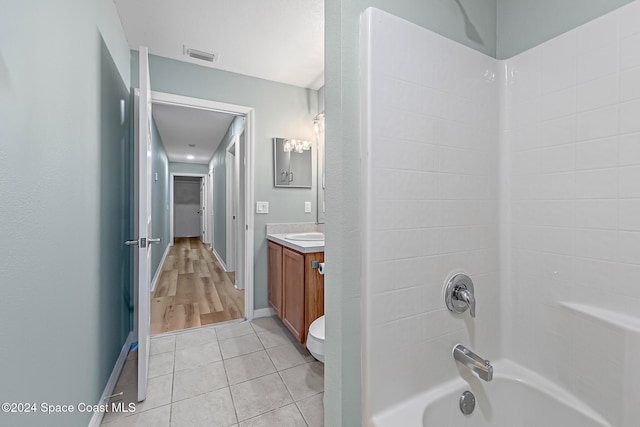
(190,157)
(296,145)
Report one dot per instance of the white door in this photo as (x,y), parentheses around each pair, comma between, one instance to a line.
(143,203)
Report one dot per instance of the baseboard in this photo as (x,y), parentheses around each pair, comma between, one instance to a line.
(264,312)
(217,255)
(96,420)
(159,269)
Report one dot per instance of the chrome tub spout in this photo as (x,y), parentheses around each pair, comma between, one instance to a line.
(474,362)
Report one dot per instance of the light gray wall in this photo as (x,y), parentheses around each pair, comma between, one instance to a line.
(320,162)
(342,101)
(159,199)
(280,110)
(65,159)
(321,99)
(523,24)
(179,167)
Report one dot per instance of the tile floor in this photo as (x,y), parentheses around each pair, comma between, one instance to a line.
(248,374)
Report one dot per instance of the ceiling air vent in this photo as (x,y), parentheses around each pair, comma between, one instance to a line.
(199,54)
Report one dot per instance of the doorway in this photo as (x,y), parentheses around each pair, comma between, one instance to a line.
(188,206)
(207,213)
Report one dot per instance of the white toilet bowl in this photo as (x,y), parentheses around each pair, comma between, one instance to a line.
(315,339)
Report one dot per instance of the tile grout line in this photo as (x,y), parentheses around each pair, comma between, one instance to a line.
(226,373)
(173,381)
(302,415)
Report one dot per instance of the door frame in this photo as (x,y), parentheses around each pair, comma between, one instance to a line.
(210,182)
(172,207)
(204,210)
(249,184)
(230,204)
(240,147)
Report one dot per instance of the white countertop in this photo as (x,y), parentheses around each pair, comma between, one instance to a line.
(304,246)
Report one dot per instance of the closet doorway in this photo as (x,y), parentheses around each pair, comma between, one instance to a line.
(188,206)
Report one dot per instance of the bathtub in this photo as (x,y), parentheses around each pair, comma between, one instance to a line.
(516,397)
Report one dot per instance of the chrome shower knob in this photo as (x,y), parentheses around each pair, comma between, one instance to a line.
(459,294)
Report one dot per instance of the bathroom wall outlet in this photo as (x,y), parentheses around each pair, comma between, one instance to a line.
(307,207)
(262,207)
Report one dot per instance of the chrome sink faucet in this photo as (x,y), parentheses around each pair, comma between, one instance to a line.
(474,362)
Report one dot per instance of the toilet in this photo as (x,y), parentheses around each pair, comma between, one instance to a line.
(315,339)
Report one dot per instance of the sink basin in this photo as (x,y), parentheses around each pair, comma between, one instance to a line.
(309,237)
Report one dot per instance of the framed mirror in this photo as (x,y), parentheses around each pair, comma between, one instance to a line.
(292,163)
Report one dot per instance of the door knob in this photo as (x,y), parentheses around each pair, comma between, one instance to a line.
(142,242)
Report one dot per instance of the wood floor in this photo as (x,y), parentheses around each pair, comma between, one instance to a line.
(193,290)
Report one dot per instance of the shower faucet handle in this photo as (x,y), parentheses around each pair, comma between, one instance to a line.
(459,294)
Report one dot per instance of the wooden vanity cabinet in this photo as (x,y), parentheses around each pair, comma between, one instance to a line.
(296,289)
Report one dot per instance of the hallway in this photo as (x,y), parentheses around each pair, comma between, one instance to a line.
(193,290)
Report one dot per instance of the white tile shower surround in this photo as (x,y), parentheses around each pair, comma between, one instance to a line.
(552,136)
(432,202)
(575,200)
(246,374)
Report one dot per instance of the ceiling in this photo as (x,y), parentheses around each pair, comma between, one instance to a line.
(180,126)
(278,40)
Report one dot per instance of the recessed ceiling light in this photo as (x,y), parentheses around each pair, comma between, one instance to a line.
(190,157)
